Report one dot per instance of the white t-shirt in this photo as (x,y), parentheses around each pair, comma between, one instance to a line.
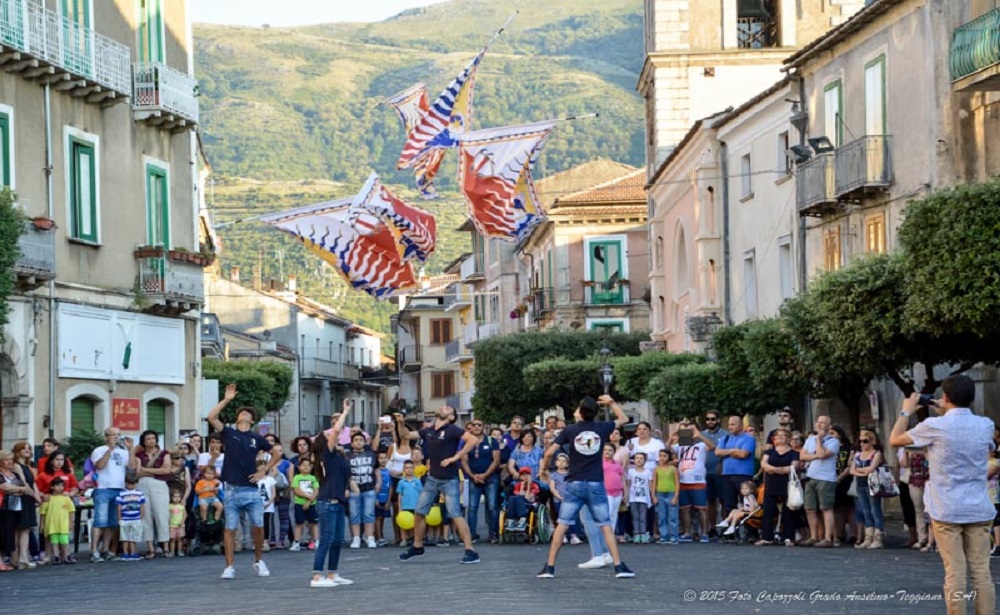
(822,469)
(639,482)
(651,448)
(204,458)
(267,486)
(691,463)
(112,475)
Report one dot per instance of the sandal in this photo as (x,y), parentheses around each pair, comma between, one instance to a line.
(789,542)
(150,555)
(171,554)
(763,543)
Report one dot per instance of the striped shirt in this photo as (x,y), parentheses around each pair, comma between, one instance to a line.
(958,447)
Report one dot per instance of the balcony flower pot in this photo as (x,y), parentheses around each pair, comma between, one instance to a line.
(43,223)
(148,252)
(589,283)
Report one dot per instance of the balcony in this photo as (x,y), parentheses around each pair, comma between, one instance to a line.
(313,367)
(473,268)
(863,166)
(455,402)
(461,299)
(40,44)
(163,96)
(37,263)
(466,400)
(168,287)
(409,359)
(213,345)
(543,301)
(488,331)
(456,351)
(815,186)
(470,333)
(756,32)
(975,54)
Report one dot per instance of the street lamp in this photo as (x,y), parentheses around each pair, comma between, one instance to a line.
(607,373)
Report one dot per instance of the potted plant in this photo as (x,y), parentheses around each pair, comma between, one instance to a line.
(43,223)
(148,251)
(588,283)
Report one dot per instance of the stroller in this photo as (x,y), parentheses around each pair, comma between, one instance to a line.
(207,534)
(748,528)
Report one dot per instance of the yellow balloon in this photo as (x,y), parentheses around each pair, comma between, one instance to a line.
(405,520)
(434,516)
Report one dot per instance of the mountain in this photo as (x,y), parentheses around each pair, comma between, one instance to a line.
(290,116)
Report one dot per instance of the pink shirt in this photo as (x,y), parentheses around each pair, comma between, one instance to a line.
(613,475)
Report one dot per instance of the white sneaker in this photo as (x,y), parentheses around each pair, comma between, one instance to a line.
(339,580)
(608,560)
(371,543)
(592,563)
(575,541)
(356,542)
(261,569)
(722,524)
(229,573)
(295,546)
(730,531)
(322,582)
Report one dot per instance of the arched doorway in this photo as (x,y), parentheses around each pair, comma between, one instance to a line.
(82,415)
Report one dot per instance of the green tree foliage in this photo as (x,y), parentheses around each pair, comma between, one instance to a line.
(685,390)
(775,366)
(563,381)
(500,362)
(633,374)
(261,385)
(11,227)
(79,446)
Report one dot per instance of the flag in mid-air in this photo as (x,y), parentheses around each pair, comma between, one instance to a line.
(415,229)
(494,173)
(411,105)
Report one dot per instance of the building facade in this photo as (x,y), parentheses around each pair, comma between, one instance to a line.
(101,95)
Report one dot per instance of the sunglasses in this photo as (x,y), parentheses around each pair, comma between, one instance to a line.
(864,441)
(710,418)
(476,424)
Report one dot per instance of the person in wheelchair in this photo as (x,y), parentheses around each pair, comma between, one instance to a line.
(748,508)
(522,502)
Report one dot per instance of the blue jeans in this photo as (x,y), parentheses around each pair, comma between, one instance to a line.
(363,507)
(240,499)
(433,488)
(589,495)
(331,535)
(868,507)
(105,509)
(595,537)
(491,489)
(666,515)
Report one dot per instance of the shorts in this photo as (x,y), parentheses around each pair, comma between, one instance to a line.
(820,494)
(208,502)
(131,531)
(305,515)
(58,539)
(362,508)
(580,494)
(243,499)
(697,498)
(176,533)
(433,488)
(105,509)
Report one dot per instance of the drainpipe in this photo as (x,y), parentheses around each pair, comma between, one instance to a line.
(50,210)
(803,271)
(726,281)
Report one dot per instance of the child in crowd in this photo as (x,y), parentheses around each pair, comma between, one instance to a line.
(131,510)
(522,502)
(408,491)
(176,519)
(667,496)
(268,492)
(56,512)
(305,487)
(557,486)
(207,490)
(614,481)
(419,467)
(748,507)
(640,498)
(382,508)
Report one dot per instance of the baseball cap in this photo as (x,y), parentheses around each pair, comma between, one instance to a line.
(525,470)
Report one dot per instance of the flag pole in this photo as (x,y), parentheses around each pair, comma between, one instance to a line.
(502,28)
(585,116)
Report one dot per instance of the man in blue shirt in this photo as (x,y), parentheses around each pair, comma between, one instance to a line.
(481,469)
(736,451)
(713,480)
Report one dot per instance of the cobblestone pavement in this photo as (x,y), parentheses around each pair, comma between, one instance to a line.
(687,578)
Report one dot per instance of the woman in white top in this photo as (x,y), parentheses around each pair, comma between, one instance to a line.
(644,442)
(399,453)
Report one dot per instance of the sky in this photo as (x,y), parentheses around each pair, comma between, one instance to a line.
(284,13)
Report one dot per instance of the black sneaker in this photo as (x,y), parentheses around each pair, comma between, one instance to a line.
(494,539)
(411,553)
(471,557)
(623,572)
(548,572)
(995,552)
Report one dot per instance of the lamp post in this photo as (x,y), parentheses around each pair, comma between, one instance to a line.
(607,373)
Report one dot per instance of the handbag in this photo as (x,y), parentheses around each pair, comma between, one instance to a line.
(795,498)
(882,484)
(852,490)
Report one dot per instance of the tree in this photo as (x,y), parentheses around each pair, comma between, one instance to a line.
(260,385)
(563,381)
(737,391)
(684,390)
(11,227)
(633,374)
(774,363)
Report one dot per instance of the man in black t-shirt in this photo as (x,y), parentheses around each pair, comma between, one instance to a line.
(447,445)
(240,476)
(585,480)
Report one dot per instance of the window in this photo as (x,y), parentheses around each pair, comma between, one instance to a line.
(785,267)
(610,326)
(156,418)
(440,330)
(746,177)
(784,161)
(605,263)
(833,105)
(6,158)
(77,38)
(150,31)
(442,384)
(875,234)
(81,415)
(83,190)
(157,206)
(831,249)
(750,283)
(875,96)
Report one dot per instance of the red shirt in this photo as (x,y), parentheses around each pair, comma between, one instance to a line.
(44,481)
(44,461)
(533,489)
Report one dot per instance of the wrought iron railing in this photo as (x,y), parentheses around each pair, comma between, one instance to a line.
(975,45)
(157,87)
(865,163)
(38,252)
(756,33)
(161,277)
(814,182)
(409,355)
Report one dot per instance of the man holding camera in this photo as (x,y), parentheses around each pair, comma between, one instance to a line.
(110,460)
(958,444)
(692,448)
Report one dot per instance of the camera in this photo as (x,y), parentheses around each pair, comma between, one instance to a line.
(926,401)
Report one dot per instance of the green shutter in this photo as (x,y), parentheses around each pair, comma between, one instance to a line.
(156,417)
(151,31)
(83,191)
(5,149)
(605,271)
(81,415)
(157,207)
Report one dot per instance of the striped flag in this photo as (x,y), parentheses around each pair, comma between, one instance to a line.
(494,173)
(411,105)
(415,229)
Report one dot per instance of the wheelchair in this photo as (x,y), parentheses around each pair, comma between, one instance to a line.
(538,526)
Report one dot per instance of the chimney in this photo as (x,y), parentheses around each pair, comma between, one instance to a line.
(292,283)
(256,277)
(234,274)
